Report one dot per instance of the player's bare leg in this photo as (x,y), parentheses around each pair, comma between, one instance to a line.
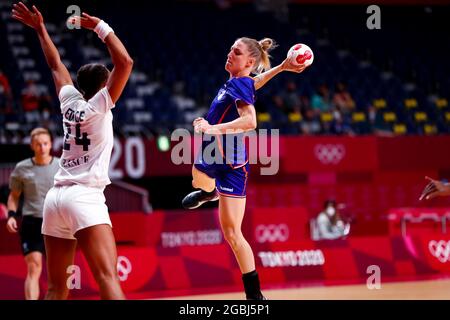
(231,214)
(60,254)
(99,248)
(34,269)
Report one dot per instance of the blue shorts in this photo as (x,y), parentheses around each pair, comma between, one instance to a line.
(229,182)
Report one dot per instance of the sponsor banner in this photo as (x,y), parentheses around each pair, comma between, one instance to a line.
(191,238)
(168,229)
(280,224)
(155,269)
(291,258)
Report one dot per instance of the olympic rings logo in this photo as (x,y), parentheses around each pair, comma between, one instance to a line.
(329,153)
(123,267)
(440,250)
(271,233)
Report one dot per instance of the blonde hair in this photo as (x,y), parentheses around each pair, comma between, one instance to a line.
(38,131)
(260,51)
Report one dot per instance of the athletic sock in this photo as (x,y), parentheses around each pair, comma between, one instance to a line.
(251,285)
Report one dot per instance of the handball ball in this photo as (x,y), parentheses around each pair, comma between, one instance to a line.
(300,54)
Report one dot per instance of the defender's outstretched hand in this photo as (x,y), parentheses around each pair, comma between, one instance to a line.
(85,21)
(32,19)
(434,189)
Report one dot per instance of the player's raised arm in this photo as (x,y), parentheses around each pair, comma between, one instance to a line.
(122,61)
(34,19)
(286,65)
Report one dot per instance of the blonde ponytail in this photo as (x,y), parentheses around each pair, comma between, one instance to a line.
(266,44)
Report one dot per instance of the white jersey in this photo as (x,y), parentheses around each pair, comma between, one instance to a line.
(88,138)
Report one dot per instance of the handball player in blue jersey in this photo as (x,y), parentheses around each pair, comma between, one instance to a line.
(232,112)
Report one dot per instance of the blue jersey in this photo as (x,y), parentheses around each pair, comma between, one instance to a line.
(224,108)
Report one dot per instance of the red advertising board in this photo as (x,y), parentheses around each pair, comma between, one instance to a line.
(304,154)
(414,153)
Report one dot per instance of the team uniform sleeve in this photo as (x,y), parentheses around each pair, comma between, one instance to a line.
(69,94)
(15,180)
(102,101)
(242,89)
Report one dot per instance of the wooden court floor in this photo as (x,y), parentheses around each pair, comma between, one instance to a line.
(414,290)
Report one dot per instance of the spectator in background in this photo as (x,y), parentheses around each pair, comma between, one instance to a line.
(378,125)
(321,100)
(30,102)
(341,124)
(5,96)
(311,122)
(291,98)
(372,114)
(342,99)
(330,225)
(279,104)
(4,84)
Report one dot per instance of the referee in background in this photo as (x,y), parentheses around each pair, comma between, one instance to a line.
(33,177)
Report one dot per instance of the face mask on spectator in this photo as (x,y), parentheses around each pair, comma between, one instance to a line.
(330,211)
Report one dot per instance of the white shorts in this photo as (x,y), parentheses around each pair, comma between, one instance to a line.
(68,209)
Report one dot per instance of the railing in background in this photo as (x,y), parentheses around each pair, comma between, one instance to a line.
(122,196)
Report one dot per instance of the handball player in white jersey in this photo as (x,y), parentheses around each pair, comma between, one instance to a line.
(75,209)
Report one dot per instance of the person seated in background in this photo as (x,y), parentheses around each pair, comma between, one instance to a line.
(30,102)
(330,225)
(6,99)
(291,97)
(5,87)
(342,99)
(321,100)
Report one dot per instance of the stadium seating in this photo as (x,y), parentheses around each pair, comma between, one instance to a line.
(184,43)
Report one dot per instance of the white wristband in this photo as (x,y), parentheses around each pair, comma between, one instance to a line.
(102,29)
